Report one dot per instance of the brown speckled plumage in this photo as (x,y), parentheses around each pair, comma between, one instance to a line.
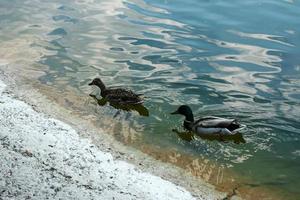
(118,95)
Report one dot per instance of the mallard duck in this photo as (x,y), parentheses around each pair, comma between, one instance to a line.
(208,125)
(117,95)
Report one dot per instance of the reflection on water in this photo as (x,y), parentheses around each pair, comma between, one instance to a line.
(222,62)
(140,108)
(189,136)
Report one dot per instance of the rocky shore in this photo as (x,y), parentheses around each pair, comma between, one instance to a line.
(44,158)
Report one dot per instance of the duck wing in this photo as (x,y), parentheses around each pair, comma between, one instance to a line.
(218,122)
(123,96)
(216,125)
(215,122)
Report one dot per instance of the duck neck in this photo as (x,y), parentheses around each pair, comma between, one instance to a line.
(189,119)
(101,85)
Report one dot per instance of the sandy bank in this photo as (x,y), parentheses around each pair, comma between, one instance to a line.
(45,158)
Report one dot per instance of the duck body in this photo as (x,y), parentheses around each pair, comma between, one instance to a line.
(213,125)
(122,96)
(208,125)
(118,95)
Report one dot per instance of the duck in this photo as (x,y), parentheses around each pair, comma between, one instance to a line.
(118,96)
(208,125)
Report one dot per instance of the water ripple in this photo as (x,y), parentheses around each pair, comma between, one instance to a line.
(213,55)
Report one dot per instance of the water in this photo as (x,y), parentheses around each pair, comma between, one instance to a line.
(226,58)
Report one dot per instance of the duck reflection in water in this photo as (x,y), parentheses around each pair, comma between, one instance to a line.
(190,136)
(140,108)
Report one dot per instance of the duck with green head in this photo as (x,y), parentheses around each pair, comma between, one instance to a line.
(119,96)
(208,125)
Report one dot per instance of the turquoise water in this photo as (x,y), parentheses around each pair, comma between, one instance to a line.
(226,58)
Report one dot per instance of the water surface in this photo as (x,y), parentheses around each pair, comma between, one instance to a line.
(226,58)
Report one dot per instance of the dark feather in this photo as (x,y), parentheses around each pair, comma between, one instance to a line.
(122,96)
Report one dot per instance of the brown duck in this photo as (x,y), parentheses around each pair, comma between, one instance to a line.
(118,95)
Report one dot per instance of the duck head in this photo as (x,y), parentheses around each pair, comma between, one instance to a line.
(99,83)
(186,111)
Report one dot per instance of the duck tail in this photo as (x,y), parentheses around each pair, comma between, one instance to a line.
(242,126)
(142,96)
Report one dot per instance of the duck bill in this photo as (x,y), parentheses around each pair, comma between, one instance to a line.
(174,113)
(91,83)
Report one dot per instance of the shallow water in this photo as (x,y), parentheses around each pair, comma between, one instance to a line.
(233,59)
